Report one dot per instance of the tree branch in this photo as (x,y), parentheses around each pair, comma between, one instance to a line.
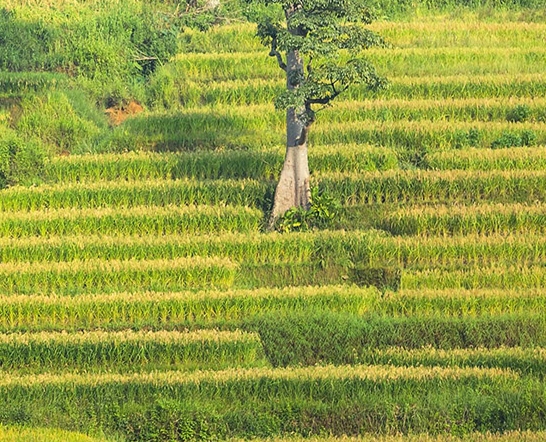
(275,53)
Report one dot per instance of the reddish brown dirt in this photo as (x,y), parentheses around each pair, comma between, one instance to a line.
(117,115)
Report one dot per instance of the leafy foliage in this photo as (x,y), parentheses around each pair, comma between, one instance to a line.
(323,211)
(325,34)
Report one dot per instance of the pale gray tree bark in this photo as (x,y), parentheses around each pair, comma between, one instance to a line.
(293,188)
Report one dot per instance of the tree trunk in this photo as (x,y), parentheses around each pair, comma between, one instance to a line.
(293,189)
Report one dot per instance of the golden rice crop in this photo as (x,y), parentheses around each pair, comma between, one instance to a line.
(317,373)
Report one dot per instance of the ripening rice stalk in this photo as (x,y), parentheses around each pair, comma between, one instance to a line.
(529,361)
(366,187)
(250,247)
(429,186)
(468,219)
(494,276)
(138,166)
(317,373)
(131,194)
(129,350)
(525,158)
(460,302)
(214,67)
(208,308)
(261,91)
(139,220)
(470,31)
(127,336)
(510,436)
(363,247)
(115,275)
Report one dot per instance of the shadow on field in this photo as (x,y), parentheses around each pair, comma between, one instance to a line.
(191,131)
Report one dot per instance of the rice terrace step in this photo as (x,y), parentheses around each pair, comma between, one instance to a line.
(148,295)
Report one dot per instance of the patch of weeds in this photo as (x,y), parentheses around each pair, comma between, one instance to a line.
(321,214)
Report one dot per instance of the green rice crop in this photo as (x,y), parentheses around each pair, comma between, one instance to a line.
(427,136)
(156,310)
(131,194)
(493,276)
(249,247)
(472,31)
(326,393)
(525,158)
(234,308)
(328,338)
(367,188)
(524,360)
(128,350)
(259,91)
(139,166)
(98,275)
(460,303)
(430,186)
(214,67)
(358,247)
(510,436)
(456,219)
(238,37)
(132,221)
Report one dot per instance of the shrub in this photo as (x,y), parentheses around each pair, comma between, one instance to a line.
(20,161)
(323,211)
(513,139)
(518,114)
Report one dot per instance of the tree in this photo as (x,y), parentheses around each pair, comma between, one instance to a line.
(318,44)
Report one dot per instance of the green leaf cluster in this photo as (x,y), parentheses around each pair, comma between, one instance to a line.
(329,36)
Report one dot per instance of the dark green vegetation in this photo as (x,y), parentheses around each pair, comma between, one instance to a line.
(141,298)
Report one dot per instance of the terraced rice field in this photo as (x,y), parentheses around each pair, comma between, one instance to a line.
(142,299)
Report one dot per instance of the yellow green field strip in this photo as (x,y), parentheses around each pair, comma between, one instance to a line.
(474,31)
(524,360)
(382,127)
(430,302)
(392,62)
(129,350)
(264,116)
(510,436)
(131,194)
(259,91)
(130,221)
(318,373)
(140,309)
(326,393)
(457,219)
(235,308)
(114,275)
(137,166)
(429,186)
(431,135)
(367,187)
(493,276)
(361,247)
(250,247)
(428,251)
(525,158)
(26,434)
